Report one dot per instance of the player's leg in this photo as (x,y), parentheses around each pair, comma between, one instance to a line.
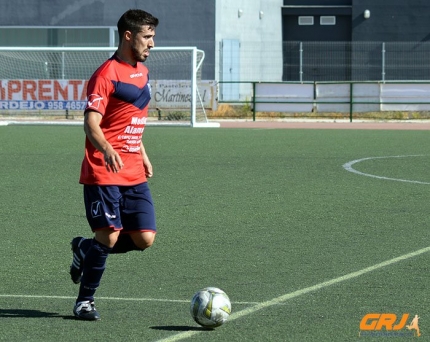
(80,246)
(138,220)
(143,239)
(102,208)
(95,264)
(141,217)
(98,202)
(124,244)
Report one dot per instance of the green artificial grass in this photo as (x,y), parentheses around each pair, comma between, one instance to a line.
(258,213)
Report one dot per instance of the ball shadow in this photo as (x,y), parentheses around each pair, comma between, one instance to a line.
(179,328)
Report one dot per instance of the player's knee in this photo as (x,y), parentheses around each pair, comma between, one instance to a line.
(107,237)
(142,245)
(145,244)
(144,241)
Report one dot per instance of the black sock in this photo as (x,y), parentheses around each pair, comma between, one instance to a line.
(94,266)
(85,245)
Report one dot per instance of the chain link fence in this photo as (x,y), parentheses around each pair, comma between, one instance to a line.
(356,61)
(332,61)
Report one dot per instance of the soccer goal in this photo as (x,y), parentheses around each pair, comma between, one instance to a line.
(43,83)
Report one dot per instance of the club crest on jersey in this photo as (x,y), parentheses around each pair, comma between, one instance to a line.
(94,101)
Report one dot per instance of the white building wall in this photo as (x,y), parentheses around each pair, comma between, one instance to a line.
(257,24)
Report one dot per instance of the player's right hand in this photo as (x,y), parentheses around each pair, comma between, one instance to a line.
(113,161)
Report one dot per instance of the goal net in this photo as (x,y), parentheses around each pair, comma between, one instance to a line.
(47,83)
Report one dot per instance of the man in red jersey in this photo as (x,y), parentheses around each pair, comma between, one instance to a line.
(115,168)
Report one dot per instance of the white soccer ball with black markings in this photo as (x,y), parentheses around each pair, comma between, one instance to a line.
(210,307)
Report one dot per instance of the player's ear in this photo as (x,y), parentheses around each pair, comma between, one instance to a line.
(127,35)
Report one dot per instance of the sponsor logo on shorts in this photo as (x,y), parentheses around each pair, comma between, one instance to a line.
(96,209)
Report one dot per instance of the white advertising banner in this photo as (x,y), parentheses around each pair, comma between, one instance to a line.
(409,97)
(284,97)
(336,97)
(177,94)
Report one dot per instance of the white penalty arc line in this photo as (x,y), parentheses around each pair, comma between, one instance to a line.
(348,167)
(291,295)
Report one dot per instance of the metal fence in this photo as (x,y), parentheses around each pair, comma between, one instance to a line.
(296,61)
(332,61)
(388,100)
(356,61)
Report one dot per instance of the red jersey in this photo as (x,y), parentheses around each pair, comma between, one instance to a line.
(120,92)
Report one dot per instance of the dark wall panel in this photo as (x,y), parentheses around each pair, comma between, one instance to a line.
(182,22)
(391,20)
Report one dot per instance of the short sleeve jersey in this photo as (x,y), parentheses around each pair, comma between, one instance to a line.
(120,92)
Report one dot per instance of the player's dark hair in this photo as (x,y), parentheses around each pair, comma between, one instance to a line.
(133,20)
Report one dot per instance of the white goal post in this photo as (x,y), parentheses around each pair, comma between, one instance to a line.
(43,82)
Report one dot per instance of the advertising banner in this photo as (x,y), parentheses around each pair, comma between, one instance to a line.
(71,94)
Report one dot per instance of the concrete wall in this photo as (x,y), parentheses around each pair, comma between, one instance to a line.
(404,26)
(257,25)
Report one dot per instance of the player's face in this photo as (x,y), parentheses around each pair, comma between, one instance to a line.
(142,42)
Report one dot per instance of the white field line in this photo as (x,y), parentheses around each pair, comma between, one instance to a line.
(348,167)
(291,295)
(112,298)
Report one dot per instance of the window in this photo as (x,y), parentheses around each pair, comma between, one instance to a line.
(306,20)
(327,20)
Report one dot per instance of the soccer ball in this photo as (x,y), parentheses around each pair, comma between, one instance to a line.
(210,307)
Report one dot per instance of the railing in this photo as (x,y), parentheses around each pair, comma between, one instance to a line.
(316,99)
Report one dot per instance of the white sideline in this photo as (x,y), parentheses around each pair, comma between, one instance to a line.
(80,123)
(206,124)
(301,292)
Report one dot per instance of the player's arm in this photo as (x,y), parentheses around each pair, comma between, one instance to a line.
(95,135)
(146,163)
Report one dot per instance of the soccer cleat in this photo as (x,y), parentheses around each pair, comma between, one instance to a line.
(86,311)
(78,260)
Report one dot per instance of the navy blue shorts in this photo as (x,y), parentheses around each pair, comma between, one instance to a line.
(125,208)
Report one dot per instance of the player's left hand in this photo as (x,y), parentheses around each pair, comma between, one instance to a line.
(148,168)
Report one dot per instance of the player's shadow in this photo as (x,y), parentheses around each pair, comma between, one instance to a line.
(180,328)
(19,313)
(27,313)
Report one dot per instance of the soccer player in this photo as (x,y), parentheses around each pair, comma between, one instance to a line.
(115,168)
